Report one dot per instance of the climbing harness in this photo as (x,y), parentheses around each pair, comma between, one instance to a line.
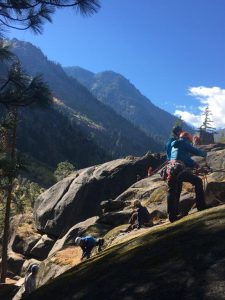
(150,169)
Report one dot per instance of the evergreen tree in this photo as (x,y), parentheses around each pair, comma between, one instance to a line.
(19,90)
(63,169)
(207,123)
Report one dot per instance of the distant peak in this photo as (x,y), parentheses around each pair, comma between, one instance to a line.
(78,69)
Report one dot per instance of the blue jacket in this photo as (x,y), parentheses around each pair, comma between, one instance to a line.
(168,147)
(88,243)
(182,150)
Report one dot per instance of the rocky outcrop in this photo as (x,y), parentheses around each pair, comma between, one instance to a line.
(26,245)
(15,262)
(78,197)
(184,260)
(42,247)
(24,235)
(152,191)
(97,189)
(115,218)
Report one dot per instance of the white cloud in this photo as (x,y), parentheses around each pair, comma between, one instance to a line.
(214,97)
(192,119)
(181,107)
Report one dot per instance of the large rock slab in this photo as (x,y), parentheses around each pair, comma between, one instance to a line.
(78,197)
(183,260)
(58,263)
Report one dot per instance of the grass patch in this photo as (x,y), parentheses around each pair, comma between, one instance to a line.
(68,256)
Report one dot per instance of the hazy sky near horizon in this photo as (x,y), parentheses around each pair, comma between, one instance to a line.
(173,51)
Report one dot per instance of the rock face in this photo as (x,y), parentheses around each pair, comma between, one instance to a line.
(184,260)
(112,187)
(25,236)
(152,191)
(26,245)
(58,263)
(42,247)
(78,197)
(15,262)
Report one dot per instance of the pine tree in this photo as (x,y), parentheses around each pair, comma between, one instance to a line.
(207,123)
(19,90)
(63,170)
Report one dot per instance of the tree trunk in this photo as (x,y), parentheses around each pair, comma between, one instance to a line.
(11,176)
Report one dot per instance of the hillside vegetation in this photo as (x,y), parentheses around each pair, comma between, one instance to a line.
(77,110)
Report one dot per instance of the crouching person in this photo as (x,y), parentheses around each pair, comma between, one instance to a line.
(30,281)
(140,217)
(87,244)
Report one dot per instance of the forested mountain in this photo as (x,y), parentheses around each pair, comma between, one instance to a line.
(50,137)
(78,127)
(116,91)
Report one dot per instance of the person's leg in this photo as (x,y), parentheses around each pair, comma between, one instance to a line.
(134,220)
(100,243)
(187,176)
(88,251)
(172,200)
(179,189)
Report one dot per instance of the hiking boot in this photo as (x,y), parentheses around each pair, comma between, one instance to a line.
(174,218)
(206,206)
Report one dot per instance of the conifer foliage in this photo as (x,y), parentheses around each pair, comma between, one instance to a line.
(17,90)
(32,14)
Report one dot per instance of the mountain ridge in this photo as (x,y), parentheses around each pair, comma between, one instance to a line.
(115,90)
(99,123)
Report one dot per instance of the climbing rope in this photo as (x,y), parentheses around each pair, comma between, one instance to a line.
(203,172)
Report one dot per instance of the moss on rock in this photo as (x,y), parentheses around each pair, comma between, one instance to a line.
(180,261)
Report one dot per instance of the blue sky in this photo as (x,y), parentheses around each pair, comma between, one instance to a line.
(173,51)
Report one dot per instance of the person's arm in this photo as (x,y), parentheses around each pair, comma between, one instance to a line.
(194,151)
(27,285)
(83,247)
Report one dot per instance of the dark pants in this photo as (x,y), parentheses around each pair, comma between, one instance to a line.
(174,191)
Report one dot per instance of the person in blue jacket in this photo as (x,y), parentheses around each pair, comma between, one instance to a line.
(181,153)
(175,135)
(87,244)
